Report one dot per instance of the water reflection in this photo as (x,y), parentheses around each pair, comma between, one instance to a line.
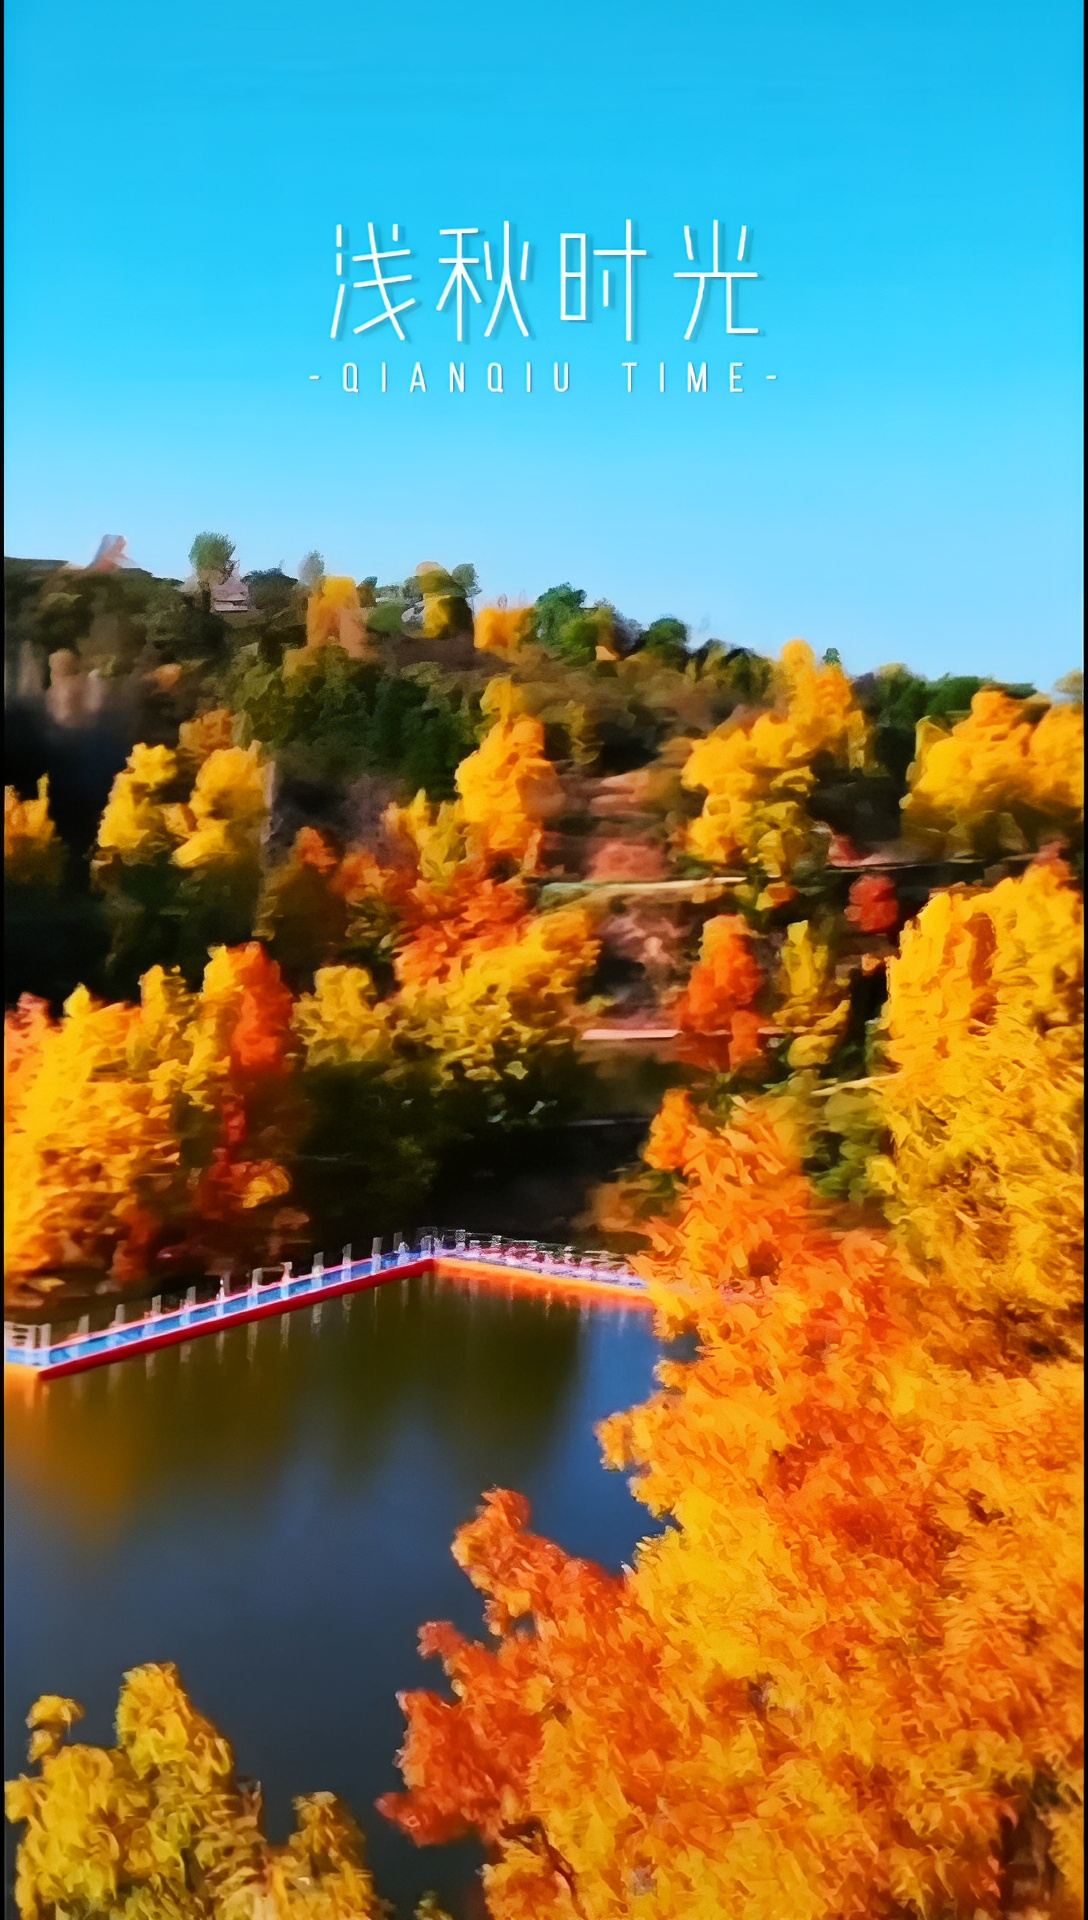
(272,1507)
(349,1375)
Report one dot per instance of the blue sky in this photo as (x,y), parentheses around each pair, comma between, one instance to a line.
(905,489)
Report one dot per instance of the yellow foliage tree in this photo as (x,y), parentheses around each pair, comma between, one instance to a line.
(504,1000)
(221,826)
(136,824)
(759,771)
(813,1007)
(159,1827)
(1008,775)
(202,809)
(446,611)
(983,1032)
(33,850)
(427,839)
(508,787)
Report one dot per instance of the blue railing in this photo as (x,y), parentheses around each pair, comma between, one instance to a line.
(34,1347)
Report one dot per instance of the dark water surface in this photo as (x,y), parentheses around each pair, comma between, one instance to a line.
(272,1510)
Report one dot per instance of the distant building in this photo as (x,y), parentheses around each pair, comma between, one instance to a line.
(228,596)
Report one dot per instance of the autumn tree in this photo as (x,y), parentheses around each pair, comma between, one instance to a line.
(502,629)
(178,856)
(1009,775)
(717,1011)
(501,1020)
(334,616)
(845,1679)
(758,772)
(509,788)
(161,1824)
(983,1034)
(33,850)
(132,1126)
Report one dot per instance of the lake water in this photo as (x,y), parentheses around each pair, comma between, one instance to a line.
(272,1509)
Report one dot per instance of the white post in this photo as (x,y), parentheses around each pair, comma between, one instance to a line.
(459,1240)
(255,1279)
(376,1253)
(285,1279)
(190,1300)
(318,1266)
(345,1258)
(156,1306)
(119,1317)
(84,1326)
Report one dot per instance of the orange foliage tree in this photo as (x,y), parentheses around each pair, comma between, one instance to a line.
(502,629)
(334,616)
(844,1681)
(717,1009)
(873,906)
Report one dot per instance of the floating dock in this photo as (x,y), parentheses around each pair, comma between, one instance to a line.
(522,1264)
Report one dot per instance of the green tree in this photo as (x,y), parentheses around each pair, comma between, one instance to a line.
(554,610)
(271,590)
(211,557)
(668,639)
(465,578)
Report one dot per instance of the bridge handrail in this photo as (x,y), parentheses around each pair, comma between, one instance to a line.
(28,1344)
